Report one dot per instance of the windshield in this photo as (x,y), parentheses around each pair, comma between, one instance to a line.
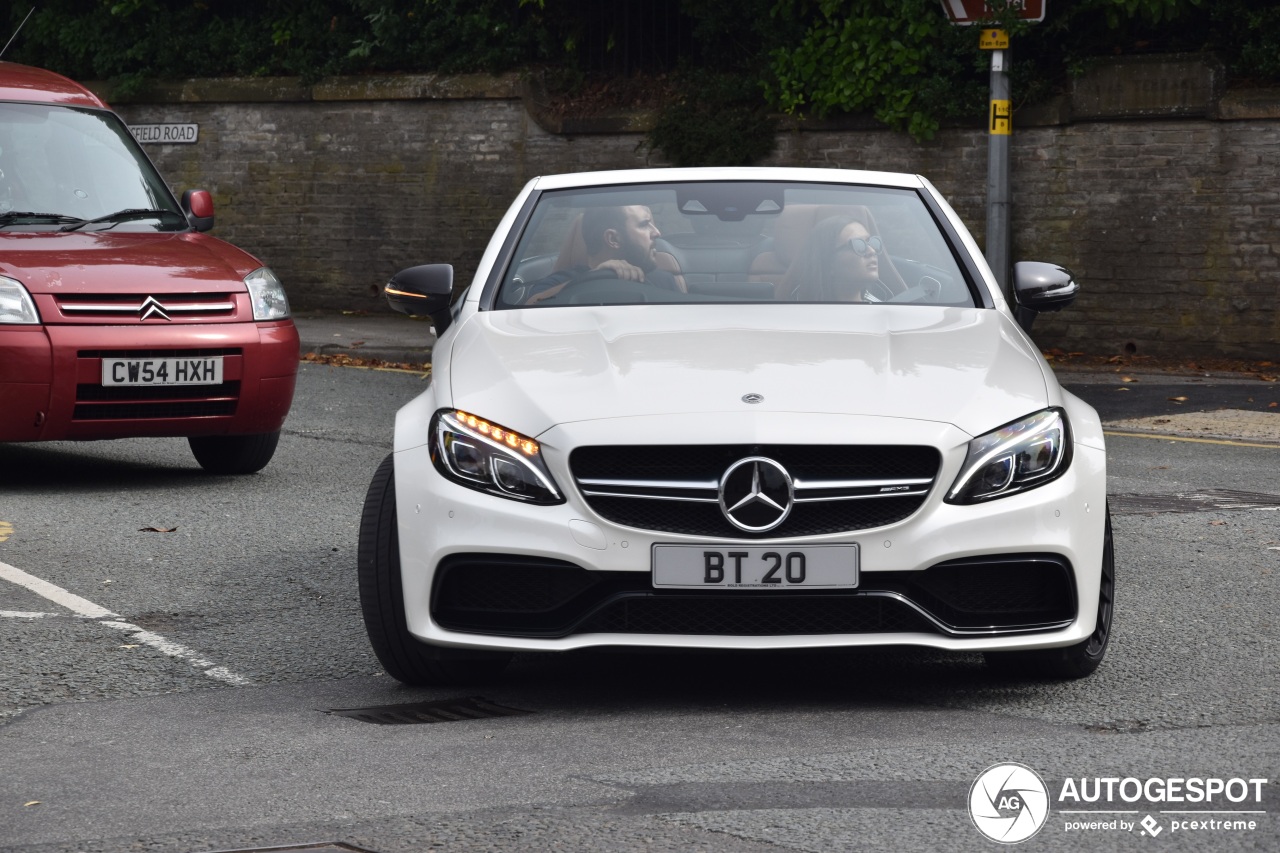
(746,241)
(69,165)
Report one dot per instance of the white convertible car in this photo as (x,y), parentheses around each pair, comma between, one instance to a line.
(736,409)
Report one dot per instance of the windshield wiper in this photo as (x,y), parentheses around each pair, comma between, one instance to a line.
(123,216)
(33,217)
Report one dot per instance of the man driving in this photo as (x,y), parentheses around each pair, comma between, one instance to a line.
(619,240)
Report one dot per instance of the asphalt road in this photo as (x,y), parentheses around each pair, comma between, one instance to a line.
(200,714)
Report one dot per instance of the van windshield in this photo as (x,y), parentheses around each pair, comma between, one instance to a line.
(65,165)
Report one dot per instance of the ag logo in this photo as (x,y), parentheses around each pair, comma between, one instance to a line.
(1009,803)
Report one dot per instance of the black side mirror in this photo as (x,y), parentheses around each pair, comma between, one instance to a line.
(423,291)
(198,207)
(1039,288)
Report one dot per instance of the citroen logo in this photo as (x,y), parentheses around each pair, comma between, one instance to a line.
(151,307)
(756,494)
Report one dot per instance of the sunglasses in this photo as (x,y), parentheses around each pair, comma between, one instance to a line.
(861,246)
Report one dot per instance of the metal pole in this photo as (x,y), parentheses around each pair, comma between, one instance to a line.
(999,131)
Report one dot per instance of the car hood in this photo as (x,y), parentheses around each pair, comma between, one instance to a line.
(122,262)
(532,369)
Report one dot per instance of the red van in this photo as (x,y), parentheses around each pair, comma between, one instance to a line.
(119,316)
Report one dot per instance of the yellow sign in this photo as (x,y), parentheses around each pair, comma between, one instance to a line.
(1001,118)
(994,40)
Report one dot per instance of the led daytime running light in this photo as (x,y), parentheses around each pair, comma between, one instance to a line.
(514,440)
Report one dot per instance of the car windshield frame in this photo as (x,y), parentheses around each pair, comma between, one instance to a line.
(729,225)
(81,164)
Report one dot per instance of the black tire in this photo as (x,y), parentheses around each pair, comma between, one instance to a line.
(1083,658)
(234,454)
(403,656)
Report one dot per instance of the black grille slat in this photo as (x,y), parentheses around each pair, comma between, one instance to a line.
(531,597)
(153,393)
(153,411)
(806,463)
(159,353)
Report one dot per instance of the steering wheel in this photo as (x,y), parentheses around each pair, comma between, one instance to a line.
(575,289)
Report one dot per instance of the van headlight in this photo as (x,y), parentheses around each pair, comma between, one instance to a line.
(480,455)
(1017,457)
(266,293)
(16,306)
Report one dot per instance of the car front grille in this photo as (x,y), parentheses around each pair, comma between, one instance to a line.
(125,309)
(838,488)
(97,402)
(531,597)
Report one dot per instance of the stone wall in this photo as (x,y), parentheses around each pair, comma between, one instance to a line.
(1160,192)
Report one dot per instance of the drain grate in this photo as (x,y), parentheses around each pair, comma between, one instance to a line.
(443,711)
(1209,500)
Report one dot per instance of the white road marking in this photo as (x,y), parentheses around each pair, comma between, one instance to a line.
(23,614)
(88,609)
(56,594)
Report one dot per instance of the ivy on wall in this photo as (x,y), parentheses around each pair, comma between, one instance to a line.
(727,64)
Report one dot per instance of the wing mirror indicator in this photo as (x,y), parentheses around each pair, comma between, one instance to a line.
(423,291)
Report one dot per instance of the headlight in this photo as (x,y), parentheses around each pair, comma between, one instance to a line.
(1014,458)
(267,295)
(15,303)
(480,455)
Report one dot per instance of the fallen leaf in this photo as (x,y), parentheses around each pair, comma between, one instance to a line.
(1266,377)
(1127,379)
(130,646)
(32,803)
(1272,405)
(1177,399)
(1218,523)
(357,343)
(156,529)
(1159,468)
(1124,389)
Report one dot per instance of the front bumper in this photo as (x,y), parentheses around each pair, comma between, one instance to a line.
(471,563)
(51,389)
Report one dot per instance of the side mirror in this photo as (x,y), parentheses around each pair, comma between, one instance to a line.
(198,206)
(423,291)
(1039,288)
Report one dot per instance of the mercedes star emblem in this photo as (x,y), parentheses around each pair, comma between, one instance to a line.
(756,494)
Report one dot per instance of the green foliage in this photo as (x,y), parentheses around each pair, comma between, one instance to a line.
(718,120)
(732,60)
(854,58)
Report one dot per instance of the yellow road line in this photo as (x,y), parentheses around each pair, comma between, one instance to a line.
(1228,442)
(6,530)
